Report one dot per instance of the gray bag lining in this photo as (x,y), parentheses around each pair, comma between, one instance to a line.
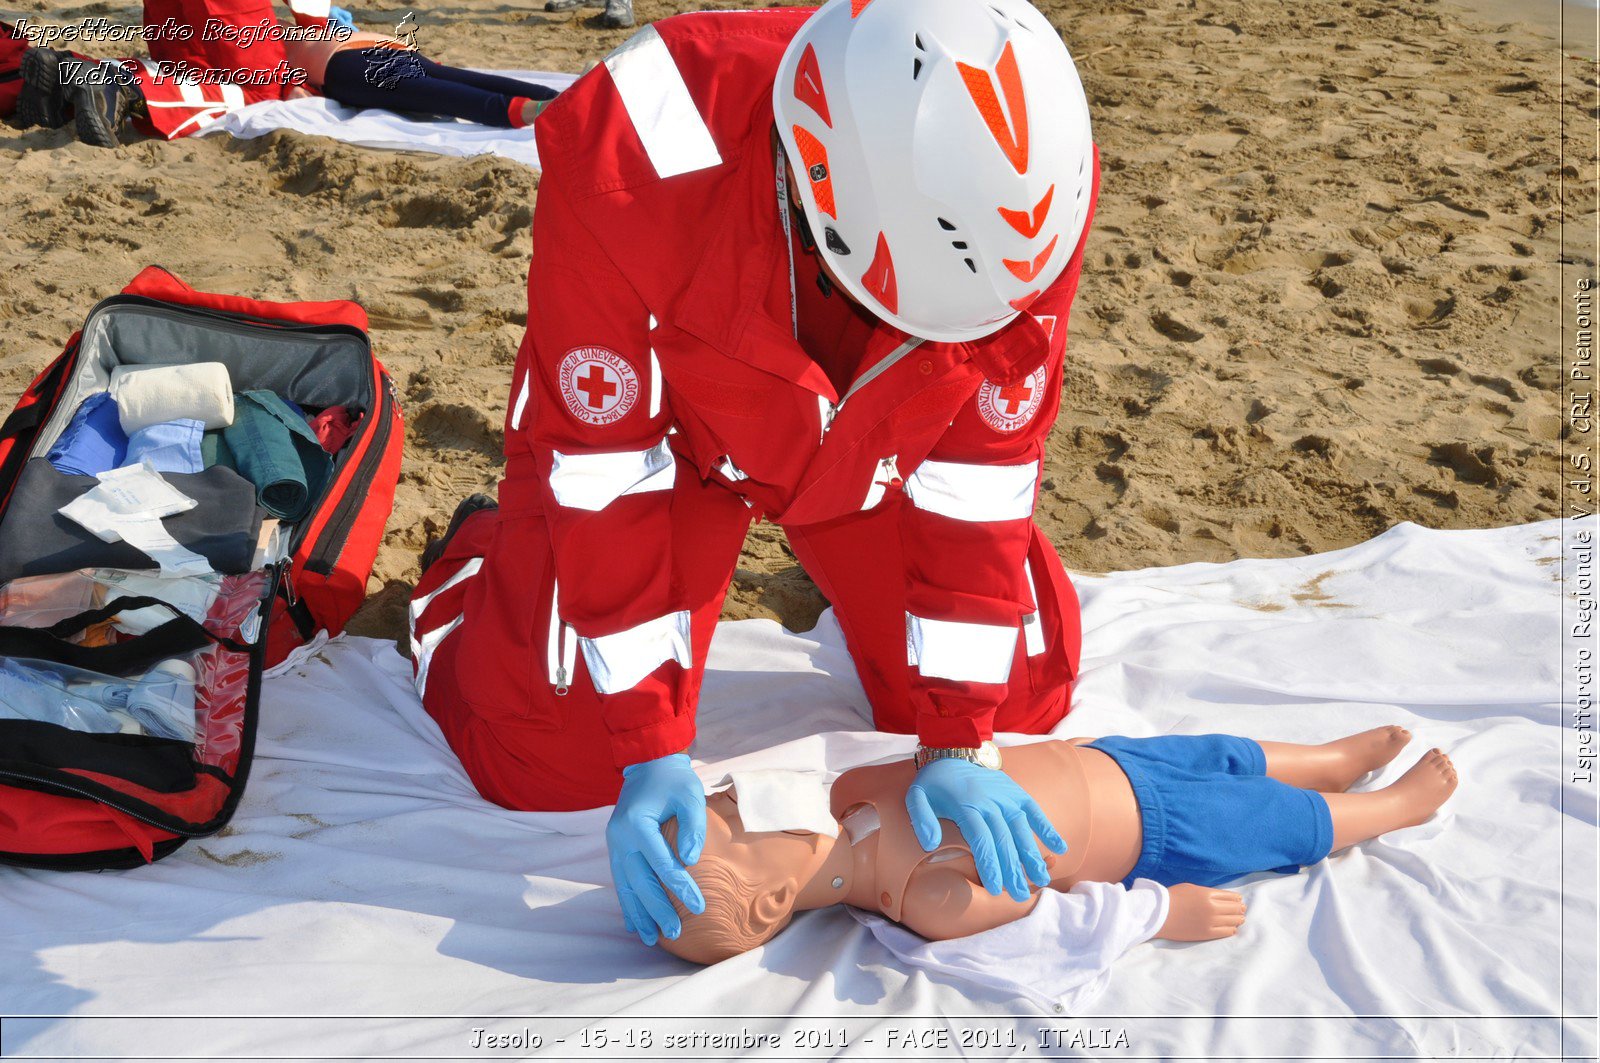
(314,370)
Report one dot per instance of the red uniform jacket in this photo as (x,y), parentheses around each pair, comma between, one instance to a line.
(660,346)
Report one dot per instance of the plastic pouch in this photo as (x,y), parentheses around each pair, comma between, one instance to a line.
(40,601)
(160,703)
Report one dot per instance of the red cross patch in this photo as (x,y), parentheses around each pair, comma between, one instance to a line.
(1008,407)
(598,385)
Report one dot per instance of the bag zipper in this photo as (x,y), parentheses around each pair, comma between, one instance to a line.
(335,533)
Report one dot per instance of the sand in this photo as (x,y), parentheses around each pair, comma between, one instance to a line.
(1321,295)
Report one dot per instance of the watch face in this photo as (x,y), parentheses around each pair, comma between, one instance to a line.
(989,755)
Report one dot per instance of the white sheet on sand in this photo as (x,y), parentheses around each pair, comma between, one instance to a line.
(363,876)
(376,128)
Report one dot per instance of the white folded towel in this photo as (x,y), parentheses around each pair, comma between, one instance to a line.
(153,394)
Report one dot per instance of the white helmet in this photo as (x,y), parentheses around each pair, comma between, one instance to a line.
(944,156)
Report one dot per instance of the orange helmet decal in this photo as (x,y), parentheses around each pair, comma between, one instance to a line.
(808,85)
(1012,137)
(815,157)
(1026,271)
(858,6)
(1022,303)
(1029,224)
(879,278)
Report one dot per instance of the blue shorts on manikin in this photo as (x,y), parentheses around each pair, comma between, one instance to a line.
(1211,814)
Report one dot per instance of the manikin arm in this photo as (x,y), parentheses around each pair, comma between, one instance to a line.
(1060,952)
(1200,913)
(944,903)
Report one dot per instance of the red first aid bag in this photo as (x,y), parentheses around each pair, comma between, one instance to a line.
(129,696)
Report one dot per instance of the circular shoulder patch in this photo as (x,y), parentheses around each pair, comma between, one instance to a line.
(1008,408)
(598,385)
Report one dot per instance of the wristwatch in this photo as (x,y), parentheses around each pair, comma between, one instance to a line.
(985,756)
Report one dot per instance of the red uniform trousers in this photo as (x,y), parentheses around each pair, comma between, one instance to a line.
(528,747)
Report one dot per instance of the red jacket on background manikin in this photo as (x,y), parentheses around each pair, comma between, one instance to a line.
(661,362)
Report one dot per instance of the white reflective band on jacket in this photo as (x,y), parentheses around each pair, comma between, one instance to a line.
(594,481)
(660,107)
(422,648)
(618,662)
(959,651)
(976,493)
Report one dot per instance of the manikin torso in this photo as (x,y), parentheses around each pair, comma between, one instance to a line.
(1082,791)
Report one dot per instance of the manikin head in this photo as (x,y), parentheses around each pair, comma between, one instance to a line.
(752,881)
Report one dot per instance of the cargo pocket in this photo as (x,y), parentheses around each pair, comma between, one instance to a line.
(1051,635)
(508,648)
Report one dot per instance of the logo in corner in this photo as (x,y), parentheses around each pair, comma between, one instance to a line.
(1007,408)
(598,385)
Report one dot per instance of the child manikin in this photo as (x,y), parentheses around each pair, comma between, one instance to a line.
(1181,813)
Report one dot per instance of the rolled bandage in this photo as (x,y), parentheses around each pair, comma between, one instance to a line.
(153,394)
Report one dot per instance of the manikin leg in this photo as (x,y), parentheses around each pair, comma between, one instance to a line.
(1412,798)
(1334,766)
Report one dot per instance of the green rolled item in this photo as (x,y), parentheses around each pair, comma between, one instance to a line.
(214,450)
(275,450)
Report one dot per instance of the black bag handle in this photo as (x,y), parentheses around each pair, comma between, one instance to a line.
(174,638)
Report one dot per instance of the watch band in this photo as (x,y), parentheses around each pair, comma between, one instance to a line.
(985,756)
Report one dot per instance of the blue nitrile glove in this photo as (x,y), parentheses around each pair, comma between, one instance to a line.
(652,793)
(996,816)
(342,17)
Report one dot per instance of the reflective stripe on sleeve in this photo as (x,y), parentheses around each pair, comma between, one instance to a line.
(594,481)
(521,405)
(963,652)
(618,662)
(974,492)
(659,105)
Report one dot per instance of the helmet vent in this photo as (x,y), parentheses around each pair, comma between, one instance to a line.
(971,265)
(959,245)
(946,226)
(916,61)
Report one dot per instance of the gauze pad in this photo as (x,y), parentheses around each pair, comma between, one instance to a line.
(127,506)
(775,799)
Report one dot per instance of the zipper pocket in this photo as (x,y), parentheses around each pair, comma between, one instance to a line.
(561,647)
(129,806)
(331,541)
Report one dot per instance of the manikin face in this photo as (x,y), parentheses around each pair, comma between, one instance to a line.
(750,880)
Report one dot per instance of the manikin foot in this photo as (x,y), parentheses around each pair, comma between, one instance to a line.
(1360,754)
(1419,792)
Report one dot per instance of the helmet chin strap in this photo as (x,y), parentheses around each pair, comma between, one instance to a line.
(793,217)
